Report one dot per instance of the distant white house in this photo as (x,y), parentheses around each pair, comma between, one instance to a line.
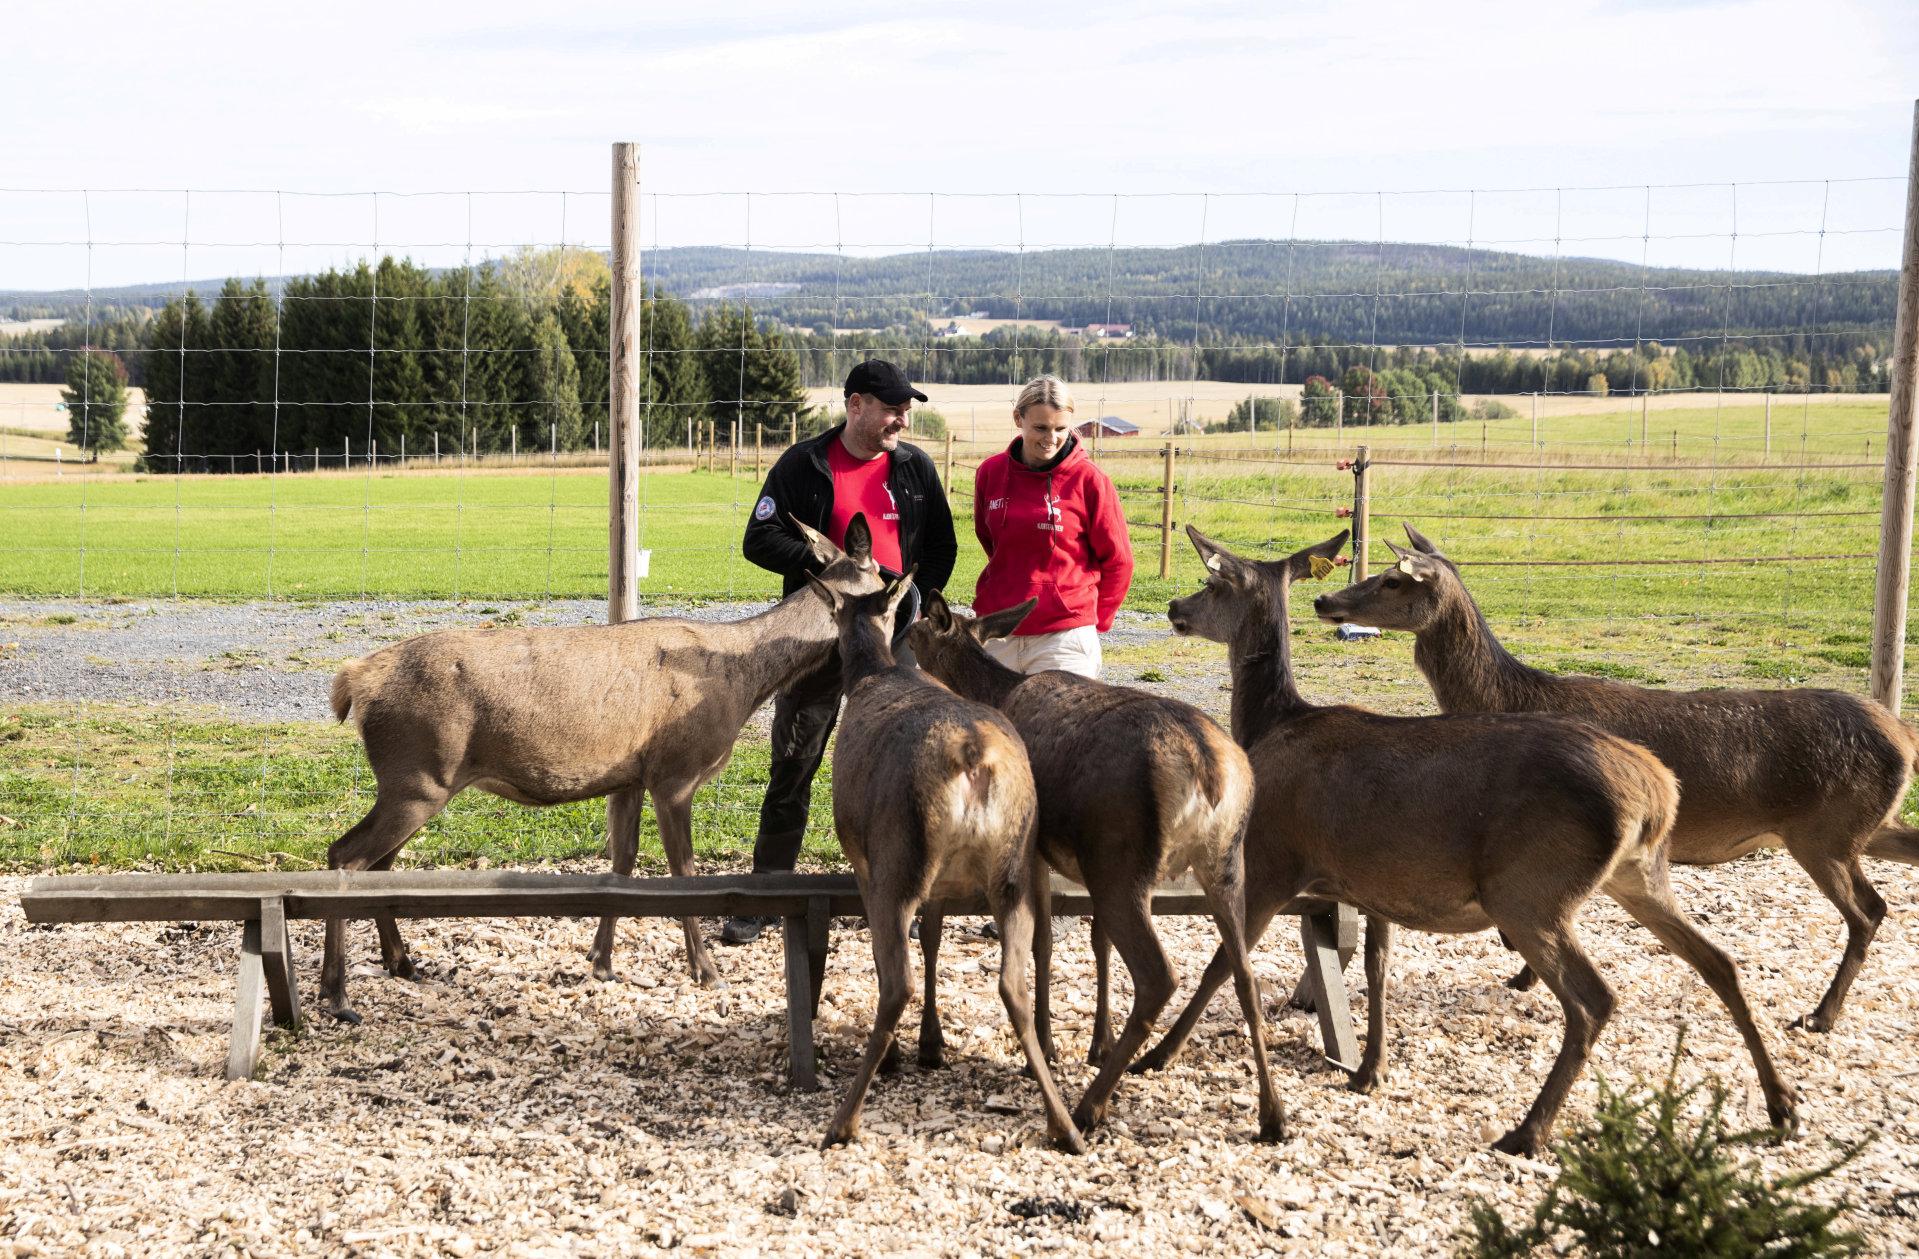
(1108,426)
(980,314)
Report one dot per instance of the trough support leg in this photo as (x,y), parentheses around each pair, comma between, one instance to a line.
(243,1053)
(1321,935)
(799,1003)
(276,957)
(818,918)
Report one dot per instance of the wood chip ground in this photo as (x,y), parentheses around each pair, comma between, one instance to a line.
(506,1103)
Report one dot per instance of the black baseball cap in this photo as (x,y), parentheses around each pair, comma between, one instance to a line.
(881,380)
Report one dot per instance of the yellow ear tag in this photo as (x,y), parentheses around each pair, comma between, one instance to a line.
(1212,562)
(1320,566)
(1406,566)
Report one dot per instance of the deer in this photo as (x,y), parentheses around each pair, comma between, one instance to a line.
(1451,824)
(547,715)
(1135,789)
(932,797)
(1820,772)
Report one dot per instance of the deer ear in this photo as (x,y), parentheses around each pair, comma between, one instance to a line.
(1217,558)
(818,543)
(898,590)
(1416,565)
(1419,540)
(825,591)
(1301,564)
(936,613)
(1003,622)
(859,538)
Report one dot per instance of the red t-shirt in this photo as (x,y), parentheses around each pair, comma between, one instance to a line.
(861,487)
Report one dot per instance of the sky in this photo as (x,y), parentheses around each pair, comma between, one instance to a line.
(1772,133)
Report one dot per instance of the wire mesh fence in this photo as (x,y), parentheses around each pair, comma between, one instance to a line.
(1648,421)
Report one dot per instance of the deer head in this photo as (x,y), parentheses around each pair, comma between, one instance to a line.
(1408,595)
(945,642)
(1236,587)
(852,571)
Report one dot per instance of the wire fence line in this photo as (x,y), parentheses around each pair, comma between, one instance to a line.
(1722,523)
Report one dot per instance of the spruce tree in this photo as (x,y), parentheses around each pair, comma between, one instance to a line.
(96,398)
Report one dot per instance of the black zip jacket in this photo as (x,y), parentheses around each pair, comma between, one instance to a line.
(800,484)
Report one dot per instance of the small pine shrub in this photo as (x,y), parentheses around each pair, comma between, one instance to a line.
(1643,1178)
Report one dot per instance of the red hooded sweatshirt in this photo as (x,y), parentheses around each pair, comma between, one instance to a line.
(1056,533)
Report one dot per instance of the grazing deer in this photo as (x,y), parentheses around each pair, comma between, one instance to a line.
(932,796)
(1822,773)
(549,715)
(1134,789)
(1447,824)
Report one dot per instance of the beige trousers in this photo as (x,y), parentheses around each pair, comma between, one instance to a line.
(1073,651)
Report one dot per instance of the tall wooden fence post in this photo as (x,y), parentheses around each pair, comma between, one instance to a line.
(623,397)
(1902,433)
(1166,516)
(793,430)
(946,478)
(1767,452)
(1535,419)
(759,448)
(1435,419)
(1362,510)
(1645,399)
(1339,421)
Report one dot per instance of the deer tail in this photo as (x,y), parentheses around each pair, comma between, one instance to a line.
(342,694)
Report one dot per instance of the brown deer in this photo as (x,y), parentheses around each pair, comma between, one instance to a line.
(1446,824)
(1822,773)
(549,715)
(1134,789)
(932,796)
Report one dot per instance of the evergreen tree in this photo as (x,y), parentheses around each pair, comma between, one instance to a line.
(175,385)
(96,398)
(549,387)
(674,388)
(238,370)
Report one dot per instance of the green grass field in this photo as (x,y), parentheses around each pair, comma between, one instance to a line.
(1686,573)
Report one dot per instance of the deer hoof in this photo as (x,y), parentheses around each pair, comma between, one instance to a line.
(345,1015)
(1272,1129)
(838,1136)
(402,968)
(1085,1119)
(1070,1142)
(1520,1141)
(1150,1061)
(1814,1022)
(1523,981)
(932,1057)
(1364,1081)
(604,973)
(890,1060)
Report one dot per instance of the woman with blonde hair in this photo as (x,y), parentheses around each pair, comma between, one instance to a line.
(1052,527)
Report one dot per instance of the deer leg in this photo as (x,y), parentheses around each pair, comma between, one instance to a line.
(1554,954)
(623,846)
(932,1049)
(1645,891)
(673,808)
(1372,1065)
(1525,979)
(1835,870)
(1128,919)
(1021,912)
(393,954)
(1040,877)
(1259,915)
(1100,1046)
(1227,893)
(397,813)
(888,925)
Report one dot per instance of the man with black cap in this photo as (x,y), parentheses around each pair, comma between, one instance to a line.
(858,467)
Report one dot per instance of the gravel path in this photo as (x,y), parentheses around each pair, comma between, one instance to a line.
(274,661)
